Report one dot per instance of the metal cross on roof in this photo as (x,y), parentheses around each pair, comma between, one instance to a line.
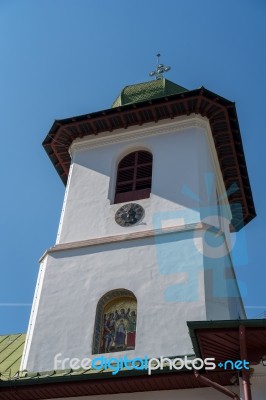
(158,73)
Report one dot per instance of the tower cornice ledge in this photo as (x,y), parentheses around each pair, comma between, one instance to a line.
(161,128)
(130,236)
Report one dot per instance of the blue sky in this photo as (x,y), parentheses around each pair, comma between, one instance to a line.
(61,58)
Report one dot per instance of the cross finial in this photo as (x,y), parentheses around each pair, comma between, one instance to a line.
(160,69)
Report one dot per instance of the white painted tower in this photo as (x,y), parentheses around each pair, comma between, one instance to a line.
(153,191)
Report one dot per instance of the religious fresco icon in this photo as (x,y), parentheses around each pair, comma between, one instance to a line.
(118,331)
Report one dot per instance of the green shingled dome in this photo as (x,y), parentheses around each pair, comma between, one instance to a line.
(147,91)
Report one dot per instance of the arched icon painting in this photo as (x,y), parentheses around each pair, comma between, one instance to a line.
(118,331)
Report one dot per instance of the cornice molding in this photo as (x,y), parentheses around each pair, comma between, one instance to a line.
(160,128)
(128,237)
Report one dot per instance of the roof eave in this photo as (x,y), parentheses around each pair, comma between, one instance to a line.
(220,112)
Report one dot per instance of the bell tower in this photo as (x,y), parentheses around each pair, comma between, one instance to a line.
(154,186)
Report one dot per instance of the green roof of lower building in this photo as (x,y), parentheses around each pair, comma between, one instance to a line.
(147,91)
(11,349)
(28,377)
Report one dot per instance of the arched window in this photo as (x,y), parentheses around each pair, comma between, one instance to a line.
(115,322)
(134,175)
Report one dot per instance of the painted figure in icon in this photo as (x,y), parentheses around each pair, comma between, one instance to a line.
(131,329)
(122,314)
(109,331)
(119,330)
(120,336)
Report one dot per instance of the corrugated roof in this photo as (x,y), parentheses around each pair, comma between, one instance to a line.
(147,91)
(11,348)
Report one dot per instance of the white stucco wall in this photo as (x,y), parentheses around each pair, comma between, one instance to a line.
(169,274)
(223,298)
(167,296)
(185,178)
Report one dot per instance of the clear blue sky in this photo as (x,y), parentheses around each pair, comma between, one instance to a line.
(61,58)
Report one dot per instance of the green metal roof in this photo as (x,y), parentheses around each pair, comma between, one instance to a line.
(79,374)
(147,91)
(11,348)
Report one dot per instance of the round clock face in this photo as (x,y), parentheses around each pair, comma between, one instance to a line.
(129,214)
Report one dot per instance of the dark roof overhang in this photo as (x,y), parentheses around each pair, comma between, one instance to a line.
(103,384)
(223,120)
(221,339)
